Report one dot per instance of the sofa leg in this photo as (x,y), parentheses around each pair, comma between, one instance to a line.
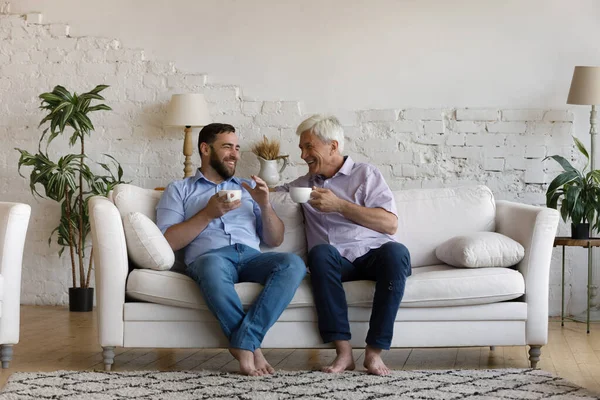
(492,348)
(534,355)
(109,357)
(6,355)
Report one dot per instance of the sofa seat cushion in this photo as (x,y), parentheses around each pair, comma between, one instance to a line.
(175,289)
(443,286)
(433,286)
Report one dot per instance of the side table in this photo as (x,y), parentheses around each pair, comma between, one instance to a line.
(590,243)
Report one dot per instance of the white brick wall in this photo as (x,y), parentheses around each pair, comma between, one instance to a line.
(413,147)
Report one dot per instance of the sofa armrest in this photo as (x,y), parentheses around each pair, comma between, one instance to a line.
(535,228)
(14,220)
(111,268)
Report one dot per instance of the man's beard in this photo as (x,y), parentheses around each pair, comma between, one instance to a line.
(220,166)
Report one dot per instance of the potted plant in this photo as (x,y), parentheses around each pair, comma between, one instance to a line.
(70,181)
(579,192)
(267,152)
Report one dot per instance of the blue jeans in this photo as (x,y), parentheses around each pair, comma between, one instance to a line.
(217,271)
(388,266)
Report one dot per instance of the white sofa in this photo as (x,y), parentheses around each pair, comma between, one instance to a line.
(443,306)
(14,220)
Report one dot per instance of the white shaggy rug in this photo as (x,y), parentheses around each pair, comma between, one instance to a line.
(436,384)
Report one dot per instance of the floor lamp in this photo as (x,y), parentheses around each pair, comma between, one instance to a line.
(187,111)
(585,90)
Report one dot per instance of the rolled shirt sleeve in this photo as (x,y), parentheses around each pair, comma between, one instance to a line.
(376,193)
(170,210)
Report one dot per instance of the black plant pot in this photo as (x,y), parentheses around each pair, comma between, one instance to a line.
(580,231)
(81,299)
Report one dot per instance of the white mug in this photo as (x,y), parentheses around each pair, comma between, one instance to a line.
(237,195)
(300,194)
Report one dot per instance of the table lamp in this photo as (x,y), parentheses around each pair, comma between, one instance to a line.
(585,90)
(187,110)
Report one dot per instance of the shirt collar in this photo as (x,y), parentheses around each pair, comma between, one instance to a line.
(199,175)
(347,166)
(346,169)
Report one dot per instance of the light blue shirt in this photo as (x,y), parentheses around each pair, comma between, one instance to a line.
(182,199)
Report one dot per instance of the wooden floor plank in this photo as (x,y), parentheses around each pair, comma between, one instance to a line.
(276,356)
(468,358)
(490,359)
(516,357)
(438,358)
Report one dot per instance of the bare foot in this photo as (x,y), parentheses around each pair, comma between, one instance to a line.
(344,360)
(246,359)
(373,362)
(261,364)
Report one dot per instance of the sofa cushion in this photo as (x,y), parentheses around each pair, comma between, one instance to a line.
(131,198)
(429,217)
(175,289)
(290,213)
(432,286)
(481,249)
(146,245)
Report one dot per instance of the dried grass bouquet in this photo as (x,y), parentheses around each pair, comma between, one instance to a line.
(267,149)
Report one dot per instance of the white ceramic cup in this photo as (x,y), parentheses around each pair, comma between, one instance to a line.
(300,194)
(232,195)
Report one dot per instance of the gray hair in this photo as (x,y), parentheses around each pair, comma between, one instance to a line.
(325,127)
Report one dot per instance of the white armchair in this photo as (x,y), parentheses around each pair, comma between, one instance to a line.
(14,219)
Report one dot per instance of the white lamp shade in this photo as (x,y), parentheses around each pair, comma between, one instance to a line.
(585,86)
(187,110)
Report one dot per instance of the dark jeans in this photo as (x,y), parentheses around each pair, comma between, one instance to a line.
(388,266)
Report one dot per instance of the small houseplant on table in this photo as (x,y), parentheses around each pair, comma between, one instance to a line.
(267,152)
(70,181)
(579,192)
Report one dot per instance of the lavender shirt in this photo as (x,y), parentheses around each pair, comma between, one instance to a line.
(357,183)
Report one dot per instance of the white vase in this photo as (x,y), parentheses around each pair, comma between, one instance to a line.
(270,170)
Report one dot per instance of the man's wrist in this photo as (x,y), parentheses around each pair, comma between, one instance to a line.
(265,207)
(343,206)
(204,215)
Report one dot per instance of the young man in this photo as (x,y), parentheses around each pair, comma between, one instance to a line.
(221,239)
(350,221)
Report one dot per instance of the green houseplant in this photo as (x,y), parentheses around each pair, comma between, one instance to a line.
(579,192)
(70,181)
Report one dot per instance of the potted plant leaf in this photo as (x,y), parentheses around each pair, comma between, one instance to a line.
(579,192)
(70,181)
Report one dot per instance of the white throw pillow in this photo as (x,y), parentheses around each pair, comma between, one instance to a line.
(146,245)
(480,249)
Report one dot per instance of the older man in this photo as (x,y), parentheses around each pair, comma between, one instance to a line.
(221,239)
(350,222)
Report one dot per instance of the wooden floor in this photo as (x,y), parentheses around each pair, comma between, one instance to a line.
(52,338)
